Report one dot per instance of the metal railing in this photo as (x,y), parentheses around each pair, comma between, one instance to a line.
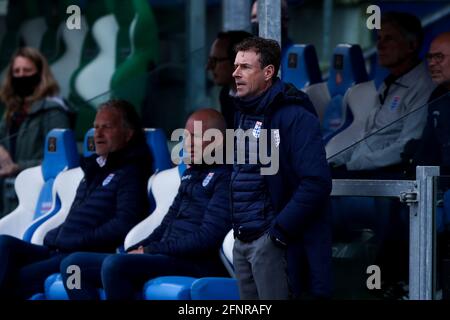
(419,195)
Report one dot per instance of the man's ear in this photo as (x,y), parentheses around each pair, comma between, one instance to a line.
(268,72)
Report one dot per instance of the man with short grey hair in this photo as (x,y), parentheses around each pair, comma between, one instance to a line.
(400,112)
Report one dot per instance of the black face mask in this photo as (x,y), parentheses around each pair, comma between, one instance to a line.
(255,28)
(24,86)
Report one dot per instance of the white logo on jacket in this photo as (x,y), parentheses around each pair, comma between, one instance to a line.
(276,136)
(108,179)
(257,129)
(207,179)
(186,177)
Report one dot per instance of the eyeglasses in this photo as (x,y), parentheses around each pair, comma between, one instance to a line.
(212,61)
(438,57)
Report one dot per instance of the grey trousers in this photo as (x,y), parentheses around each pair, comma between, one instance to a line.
(261,269)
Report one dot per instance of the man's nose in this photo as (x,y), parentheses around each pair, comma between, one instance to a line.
(431,63)
(236,73)
(98,133)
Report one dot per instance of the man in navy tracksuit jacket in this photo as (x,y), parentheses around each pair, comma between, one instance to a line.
(110,200)
(186,243)
(281,221)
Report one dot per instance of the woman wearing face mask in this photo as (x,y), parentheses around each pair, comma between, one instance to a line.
(32,109)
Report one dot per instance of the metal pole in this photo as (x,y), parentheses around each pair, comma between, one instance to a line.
(196,56)
(269,18)
(236,15)
(327,16)
(421,249)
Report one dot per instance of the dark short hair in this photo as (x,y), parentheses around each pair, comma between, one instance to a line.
(269,51)
(233,37)
(130,117)
(408,25)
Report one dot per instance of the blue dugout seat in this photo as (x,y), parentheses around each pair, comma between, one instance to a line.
(347,68)
(301,66)
(188,288)
(35,186)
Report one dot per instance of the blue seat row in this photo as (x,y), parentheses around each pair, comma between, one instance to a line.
(38,200)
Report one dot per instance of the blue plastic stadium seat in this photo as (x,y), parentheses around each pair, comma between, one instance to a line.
(207,288)
(215,289)
(60,154)
(168,288)
(54,288)
(347,69)
(89,144)
(38,296)
(188,288)
(157,141)
(301,66)
(34,186)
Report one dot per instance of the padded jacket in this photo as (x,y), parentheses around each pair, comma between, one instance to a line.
(198,219)
(109,201)
(299,191)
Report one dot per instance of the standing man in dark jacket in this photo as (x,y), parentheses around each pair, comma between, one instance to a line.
(109,201)
(280,221)
(186,243)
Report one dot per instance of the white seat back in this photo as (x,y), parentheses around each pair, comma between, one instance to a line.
(69,61)
(226,253)
(28,186)
(360,98)
(95,77)
(164,187)
(320,97)
(66,184)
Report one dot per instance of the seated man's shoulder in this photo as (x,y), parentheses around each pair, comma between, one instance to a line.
(420,79)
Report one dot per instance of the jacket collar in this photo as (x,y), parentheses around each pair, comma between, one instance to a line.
(136,152)
(277,95)
(47,103)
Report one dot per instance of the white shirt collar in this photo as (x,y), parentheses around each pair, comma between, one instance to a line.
(101,160)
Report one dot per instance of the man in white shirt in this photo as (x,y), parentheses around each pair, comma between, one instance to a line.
(400,112)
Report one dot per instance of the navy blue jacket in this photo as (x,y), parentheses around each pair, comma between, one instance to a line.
(198,219)
(300,190)
(109,201)
(433,148)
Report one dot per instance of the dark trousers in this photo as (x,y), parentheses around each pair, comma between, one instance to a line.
(123,275)
(261,270)
(24,267)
